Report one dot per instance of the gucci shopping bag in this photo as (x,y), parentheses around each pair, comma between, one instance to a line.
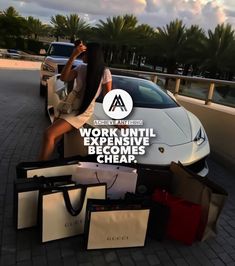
(184,216)
(62,212)
(119,179)
(47,168)
(26,193)
(203,191)
(115,224)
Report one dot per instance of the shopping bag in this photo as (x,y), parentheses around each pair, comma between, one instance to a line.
(115,224)
(26,192)
(119,179)
(203,191)
(47,168)
(158,217)
(184,217)
(62,212)
(151,179)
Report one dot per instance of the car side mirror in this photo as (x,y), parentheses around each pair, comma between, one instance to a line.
(42,52)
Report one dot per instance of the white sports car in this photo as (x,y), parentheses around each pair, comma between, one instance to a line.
(180,134)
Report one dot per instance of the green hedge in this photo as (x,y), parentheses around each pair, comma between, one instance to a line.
(27,45)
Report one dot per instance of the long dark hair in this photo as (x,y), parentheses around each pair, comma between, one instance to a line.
(95,70)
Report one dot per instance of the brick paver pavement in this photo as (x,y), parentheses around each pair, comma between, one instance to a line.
(22,122)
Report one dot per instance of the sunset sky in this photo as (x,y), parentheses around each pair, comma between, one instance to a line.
(205,13)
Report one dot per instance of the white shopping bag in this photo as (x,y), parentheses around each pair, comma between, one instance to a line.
(119,179)
(62,212)
(121,227)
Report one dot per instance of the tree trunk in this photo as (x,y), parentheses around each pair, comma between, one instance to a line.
(186,69)
(230,75)
(139,61)
(72,39)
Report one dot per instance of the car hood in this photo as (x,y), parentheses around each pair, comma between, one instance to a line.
(61,60)
(172,126)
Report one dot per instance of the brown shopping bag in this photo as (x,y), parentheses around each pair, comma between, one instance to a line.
(203,191)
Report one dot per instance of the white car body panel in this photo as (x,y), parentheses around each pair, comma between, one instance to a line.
(175,128)
(163,121)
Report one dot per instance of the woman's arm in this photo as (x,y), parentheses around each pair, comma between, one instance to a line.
(107,87)
(107,81)
(68,73)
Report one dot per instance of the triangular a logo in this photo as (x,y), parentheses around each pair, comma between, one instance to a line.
(117,102)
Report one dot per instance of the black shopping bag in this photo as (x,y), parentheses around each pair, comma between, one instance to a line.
(158,217)
(149,179)
(47,168)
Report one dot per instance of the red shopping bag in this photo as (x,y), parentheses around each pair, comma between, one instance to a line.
(184,217)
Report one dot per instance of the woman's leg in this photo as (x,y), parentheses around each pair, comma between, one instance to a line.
(53,132)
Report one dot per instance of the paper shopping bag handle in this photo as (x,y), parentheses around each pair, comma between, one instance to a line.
(114,180)
(70,208)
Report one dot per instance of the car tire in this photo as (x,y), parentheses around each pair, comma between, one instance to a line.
(42,91)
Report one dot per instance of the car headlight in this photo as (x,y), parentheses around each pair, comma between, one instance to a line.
(200,137)
(46,67)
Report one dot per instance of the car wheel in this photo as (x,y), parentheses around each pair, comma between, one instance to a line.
(43,89)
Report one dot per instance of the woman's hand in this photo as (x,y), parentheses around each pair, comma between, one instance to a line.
(78,50)
(68,73)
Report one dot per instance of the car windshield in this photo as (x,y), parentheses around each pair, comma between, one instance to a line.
(144,93)
(60,50)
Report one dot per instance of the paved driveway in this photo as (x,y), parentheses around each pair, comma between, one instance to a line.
(22,122)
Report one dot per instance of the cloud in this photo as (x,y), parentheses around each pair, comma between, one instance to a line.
(205,13)
(102,7)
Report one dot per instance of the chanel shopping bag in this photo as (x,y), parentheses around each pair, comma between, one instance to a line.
(26,192)
(203,191)
(62,212)
(115,224)
(46,168)
(119,179)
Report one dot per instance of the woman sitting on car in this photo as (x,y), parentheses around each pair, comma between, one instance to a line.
(89,80)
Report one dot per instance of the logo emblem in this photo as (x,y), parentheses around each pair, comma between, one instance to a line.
(117,104)
(161,149)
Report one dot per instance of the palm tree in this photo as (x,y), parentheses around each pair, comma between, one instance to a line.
(191,53)
(11,12)
(229,59)
(12,24)
(116,33)
(59,24)
(144,43)
(35,27)
(75,27)
(219,49)
(130,21)
(170,42)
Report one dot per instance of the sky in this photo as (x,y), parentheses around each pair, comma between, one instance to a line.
(156,13)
